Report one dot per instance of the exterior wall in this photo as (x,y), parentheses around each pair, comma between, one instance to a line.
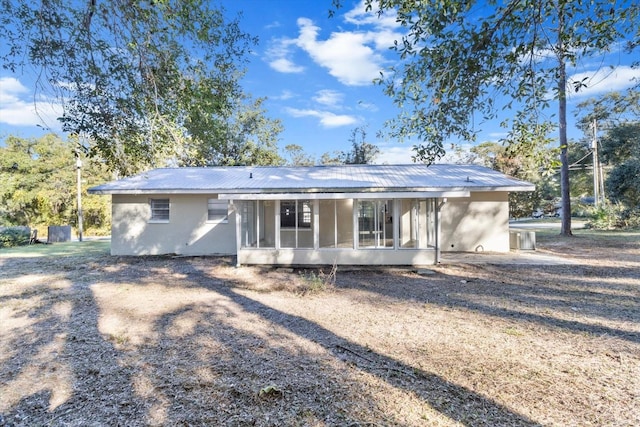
(479,223)
(186,233)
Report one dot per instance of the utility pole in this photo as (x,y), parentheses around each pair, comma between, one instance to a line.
(596,192)
(79,191)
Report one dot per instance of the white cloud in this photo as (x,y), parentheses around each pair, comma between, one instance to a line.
(360,16)
(346,55)
(368,106)
(17,110)
(278,56)
(284,65)
(394,154)
(327,119)
(284,95)
(603,80)
(328,97)
(355,58)
(274,24)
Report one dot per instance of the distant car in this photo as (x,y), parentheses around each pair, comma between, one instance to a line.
(537,214)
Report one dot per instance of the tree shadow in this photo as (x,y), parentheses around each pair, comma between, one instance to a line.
(454,401)
(530,294)
(63,371)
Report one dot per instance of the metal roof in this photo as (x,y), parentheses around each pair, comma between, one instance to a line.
(315,179)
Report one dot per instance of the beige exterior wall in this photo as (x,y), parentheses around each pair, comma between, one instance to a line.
(186,233)
(477,223)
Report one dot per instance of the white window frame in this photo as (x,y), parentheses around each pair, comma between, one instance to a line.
(155,210)
(219,217)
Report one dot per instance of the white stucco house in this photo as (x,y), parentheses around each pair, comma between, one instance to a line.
(346,214)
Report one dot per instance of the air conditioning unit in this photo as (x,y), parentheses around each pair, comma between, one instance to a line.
(522,240)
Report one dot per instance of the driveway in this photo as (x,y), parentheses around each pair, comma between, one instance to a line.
(515,257)
(506,258)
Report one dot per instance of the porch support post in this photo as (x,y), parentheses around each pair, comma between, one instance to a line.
(316,223)
(238,211)
(439,204)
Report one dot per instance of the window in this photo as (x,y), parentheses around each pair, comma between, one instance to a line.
(288,217)
(159,209)
(296,218)
(218,210)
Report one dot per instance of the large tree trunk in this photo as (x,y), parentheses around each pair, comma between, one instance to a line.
(565,194)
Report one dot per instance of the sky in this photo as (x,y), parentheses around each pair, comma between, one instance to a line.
(316,73)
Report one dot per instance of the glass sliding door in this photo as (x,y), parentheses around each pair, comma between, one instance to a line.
(375,223)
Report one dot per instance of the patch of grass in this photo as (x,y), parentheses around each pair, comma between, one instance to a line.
(91,248)
(318,282)
(610,236)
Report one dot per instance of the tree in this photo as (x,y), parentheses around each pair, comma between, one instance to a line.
(362,152)
(459,58)
(141,79)
(38,184)
(611,109)
(617,116)
(536,167)
(297,156)
(243,136)
(621,150)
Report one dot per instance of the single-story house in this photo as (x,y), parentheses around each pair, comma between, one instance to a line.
(345,214)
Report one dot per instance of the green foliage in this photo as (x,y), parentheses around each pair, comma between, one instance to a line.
(623,183)
(621,143)
(612,108)
(13,236)
(610,216)
(297,156)
(619,148)
(362,152)
(144,80)
(38,184)
(459,58)
(243,135)
(534,164)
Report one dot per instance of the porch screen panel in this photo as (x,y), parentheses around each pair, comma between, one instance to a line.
(409,223)
(248,226)
(328,231)
(267,223)
(344,223)
(431,222)
(375,223)
(296,224)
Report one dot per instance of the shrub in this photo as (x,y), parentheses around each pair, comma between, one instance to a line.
(14,236)
(611,216)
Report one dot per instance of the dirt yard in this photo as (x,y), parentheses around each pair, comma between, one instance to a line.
(92,340)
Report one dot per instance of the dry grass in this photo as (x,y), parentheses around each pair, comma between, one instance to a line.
(96,340)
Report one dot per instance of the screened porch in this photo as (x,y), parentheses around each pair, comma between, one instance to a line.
(337,230)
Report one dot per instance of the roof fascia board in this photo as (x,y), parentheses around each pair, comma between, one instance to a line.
(332,196)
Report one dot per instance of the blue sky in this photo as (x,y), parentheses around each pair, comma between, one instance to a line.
(316,72)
